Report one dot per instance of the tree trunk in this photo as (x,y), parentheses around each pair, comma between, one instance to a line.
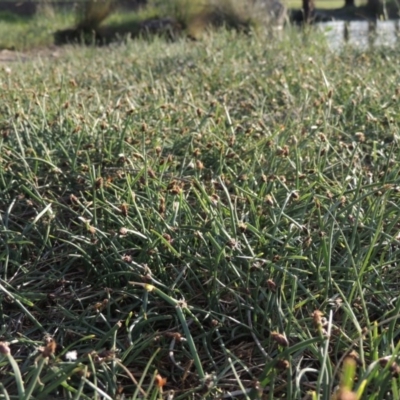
(350,3)
(308,9)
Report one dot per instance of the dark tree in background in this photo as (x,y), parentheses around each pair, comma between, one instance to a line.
(308,9)
(131,4)
(23,8)
(375,7)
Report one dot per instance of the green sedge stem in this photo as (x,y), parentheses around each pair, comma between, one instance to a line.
(190,342)
(18,376)
(35,378)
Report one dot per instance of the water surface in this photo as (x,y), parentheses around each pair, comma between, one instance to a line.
(361,33)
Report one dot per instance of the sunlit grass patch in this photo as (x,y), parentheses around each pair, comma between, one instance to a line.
(200,219)
(19,33)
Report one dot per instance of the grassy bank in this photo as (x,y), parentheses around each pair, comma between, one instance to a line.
(23,33)
(221,214)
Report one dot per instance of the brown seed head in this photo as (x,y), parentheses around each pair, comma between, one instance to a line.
(175,190)
(214,198)
(264,178)
(280,339)
(162,207)
(271,285)
(196,152)
(73,199)
(50,347)
(317,318)
(199,165)
(269,200)
(355,356)
(360,136)
(174,335)
(124,208)
(282,151)
(242,227)
(232,243)
(282,364)
(295,195)
(5,349)
(127,258)
(99,182)
(395,370)
(167,237)
(160,381)
(394,367)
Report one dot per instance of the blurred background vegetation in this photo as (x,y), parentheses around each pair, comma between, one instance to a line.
(102,21)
